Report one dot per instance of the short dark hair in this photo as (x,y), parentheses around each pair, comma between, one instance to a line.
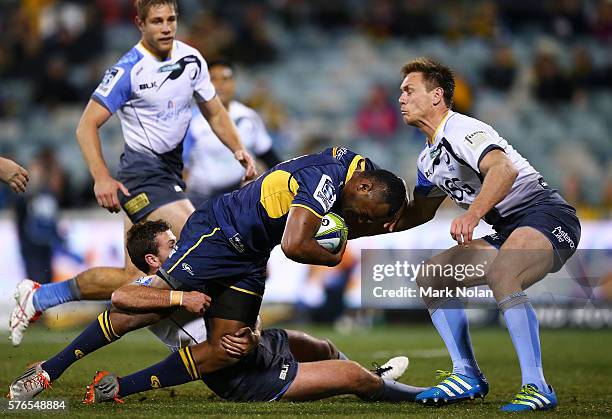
(223,62)
(141,241)
(434,74)
(143,6)
(392,188)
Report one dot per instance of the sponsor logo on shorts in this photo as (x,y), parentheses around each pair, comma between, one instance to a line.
(137,203)
(78,354)
(284,371)
(155,382)
(187,268)
(562,236)
(177,188)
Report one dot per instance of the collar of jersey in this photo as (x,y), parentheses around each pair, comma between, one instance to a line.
(142,47)
(439,132)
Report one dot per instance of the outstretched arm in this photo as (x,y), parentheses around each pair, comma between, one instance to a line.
(136,298)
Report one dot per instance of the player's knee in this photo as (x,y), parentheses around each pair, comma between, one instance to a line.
(359,379)
(119,298)
(497,276)
(331,351)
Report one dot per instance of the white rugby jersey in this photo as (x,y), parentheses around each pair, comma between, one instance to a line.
(450,166)
(212,166)
(153,98)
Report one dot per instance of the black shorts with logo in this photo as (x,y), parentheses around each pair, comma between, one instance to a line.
(153,181)
(264,375)
(554,218)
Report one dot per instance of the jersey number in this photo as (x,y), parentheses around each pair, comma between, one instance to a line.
(456,191)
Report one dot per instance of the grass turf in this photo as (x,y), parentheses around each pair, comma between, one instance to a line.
(577,362)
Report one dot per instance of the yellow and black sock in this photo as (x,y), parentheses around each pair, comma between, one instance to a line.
(98,334)
(178,368)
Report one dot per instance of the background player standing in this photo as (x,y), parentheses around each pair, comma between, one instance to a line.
(152,88)
(210,167)
(536,232)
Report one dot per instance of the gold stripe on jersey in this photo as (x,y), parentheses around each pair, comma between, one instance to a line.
(440,125)
(193,247)
(277,192)
(356,164)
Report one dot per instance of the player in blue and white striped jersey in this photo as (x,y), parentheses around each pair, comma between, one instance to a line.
(536,232)
(151,88)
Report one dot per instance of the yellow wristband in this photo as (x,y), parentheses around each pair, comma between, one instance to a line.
(176,298)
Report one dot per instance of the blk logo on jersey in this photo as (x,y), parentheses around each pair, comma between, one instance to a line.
(147,85)
(180,68)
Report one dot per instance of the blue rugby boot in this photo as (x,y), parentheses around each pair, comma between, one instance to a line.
(530,398)
(452,389)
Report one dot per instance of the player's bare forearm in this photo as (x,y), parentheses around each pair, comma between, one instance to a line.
(298,241)
(222,125)
(142,299)
(310,252)
(499,176)
(94,116)
(418,211)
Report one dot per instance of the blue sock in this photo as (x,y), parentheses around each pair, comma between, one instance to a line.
(451,321)
(392,391)
(56,293)
(523,327)
(176,369)
(98,334)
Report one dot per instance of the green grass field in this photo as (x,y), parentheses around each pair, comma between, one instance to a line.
(578,363)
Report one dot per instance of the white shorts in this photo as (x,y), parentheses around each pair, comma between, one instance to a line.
(180,329)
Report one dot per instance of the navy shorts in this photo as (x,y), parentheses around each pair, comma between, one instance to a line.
(149,192)
(556,219)
(205,257)
(264,375)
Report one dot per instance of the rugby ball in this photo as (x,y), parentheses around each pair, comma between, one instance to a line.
(333,232)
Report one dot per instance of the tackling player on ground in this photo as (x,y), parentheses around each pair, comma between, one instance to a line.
(152,89)
(536,232)
(228,262)
(149,244)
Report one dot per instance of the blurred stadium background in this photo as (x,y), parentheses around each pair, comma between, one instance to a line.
(320,73)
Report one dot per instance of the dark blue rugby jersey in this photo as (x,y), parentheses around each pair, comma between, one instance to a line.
(253,218)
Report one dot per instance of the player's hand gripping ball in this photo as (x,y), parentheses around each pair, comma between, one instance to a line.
(333,232)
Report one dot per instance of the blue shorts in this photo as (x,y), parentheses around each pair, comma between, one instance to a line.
(153,181)
(556,219)
(205,258)
(264,375)
(149,193)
